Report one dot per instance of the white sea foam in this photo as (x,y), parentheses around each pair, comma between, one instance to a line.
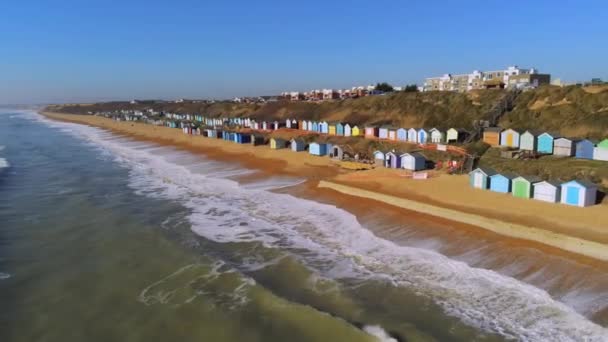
(378,333)
(4,275)
(4,163)
(338,246)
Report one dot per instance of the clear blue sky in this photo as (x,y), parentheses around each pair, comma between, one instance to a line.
(88,50)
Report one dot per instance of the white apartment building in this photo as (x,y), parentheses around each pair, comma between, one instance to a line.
(512,77)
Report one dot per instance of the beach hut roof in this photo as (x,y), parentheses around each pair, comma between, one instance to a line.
(413,154)
(506,175)
(298,141)
(553,183)
(530,179)
(552,135)
(492,129)
(562,138)
(486,170)
(583,183)
(533,132)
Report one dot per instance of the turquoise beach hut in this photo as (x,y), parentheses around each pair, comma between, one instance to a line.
(315,126)
(545,143)
(501,182)
(340,129)
(480,177)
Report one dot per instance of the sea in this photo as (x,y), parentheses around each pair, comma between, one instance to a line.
(108,238)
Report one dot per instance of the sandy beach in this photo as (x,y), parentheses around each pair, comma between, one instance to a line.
(576,230)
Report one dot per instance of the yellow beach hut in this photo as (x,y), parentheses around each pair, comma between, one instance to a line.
(277,143)
(355,131)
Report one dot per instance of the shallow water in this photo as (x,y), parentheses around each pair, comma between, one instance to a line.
(105,238)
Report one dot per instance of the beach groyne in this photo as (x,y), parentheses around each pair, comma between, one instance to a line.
(567,243)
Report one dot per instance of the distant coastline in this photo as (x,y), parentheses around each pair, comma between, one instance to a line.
(575,230)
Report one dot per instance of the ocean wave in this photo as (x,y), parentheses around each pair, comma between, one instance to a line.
(4,275)
(4,163)
(339,247)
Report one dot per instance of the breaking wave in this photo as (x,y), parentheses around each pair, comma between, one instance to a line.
(333,243)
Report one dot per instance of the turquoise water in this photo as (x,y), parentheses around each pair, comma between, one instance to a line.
(103,238)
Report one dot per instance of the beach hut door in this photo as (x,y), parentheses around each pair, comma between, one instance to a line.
(478,180)
(509,139)
(572,195)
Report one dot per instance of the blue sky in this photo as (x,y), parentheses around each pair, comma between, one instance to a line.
(62,51)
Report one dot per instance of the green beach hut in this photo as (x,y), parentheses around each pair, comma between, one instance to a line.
(522,186)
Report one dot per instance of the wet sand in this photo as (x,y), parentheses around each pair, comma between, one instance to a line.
(560,222)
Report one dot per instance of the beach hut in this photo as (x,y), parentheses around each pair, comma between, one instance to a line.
(402,134)
(423,136)
(355,131)
(413,161)
(437,136)
(509,138)
(324,127)
(298,145)
(383,132)
(294,124)
(258,139)
(527,141)
(392,134)
(491,136)
(242,138)
(393,160)
(547,191)
(544,143)
(275,125)
(480,177)
(456,135)
(600,152)
(304,125)
(563,147)
(340,129)
(310,125)
(412,135)
(501,182)
(315,127)
(584,149)
(317,149)
(332,129)
(348,130)
(277,143)
(523,186)
(379,158)
(371,132)
(288,123)
(337,152)
(579,193)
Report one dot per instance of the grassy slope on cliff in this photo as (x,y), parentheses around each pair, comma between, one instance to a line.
(572,111)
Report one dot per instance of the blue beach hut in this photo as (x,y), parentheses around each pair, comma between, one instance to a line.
(393,160)
(422,136)
(480,177)
(317,149)
(340,129)
(402,134)
(584,149)
(298,145)
(242,138)
(501,182)
(545,143)
(579,193)
(315,126)
(324,127)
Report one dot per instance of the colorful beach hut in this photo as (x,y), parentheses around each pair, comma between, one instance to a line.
(324,127)
(392,134)
(258,139)
(412,135)
(501,182)
(348,130)
(547,191)
(383,132)
(456,135)
(242,138)
(491,136)
(393,160)
(379,158)
(600,152)
(317,149)
(310,125)
(509,138)
(545,143)
(437,136)
(422,136)
(480,177)
(579,193)
(563,147)
(402,134)
(277,143)
(527,141)
(332,129)
(356,131)
(298,145)
(340,129)
(337,152)
(523,186)
(413,161)
(371,132)
(583,149)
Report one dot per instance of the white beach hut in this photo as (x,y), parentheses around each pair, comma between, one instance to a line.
(413,161)
(437,136)
(547,191)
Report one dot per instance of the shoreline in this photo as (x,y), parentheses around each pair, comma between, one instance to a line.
(588,243)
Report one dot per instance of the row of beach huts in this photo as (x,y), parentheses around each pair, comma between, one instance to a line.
(547,143)
(576,192)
